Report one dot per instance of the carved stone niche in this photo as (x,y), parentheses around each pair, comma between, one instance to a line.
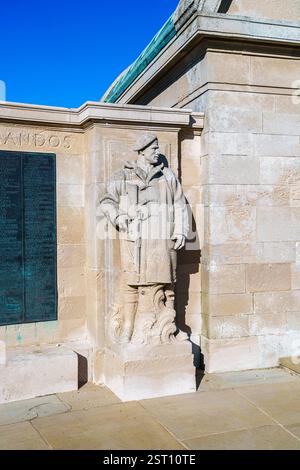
(146,355)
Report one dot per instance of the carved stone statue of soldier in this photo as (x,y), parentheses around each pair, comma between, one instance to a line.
(145,202)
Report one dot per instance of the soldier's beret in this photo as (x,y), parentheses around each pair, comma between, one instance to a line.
(144,141)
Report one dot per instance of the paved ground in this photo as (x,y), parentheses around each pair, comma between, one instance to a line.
(244,410)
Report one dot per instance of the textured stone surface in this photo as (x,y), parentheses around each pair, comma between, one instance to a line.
(91,396)
(222,355)
(218,416)
(231,169)
(27,410)
(294,429)
(163,371)
(32,373)
(224,279)
(262,438)
(70,225)
(235,326)
(277,302)
(279,400)
(268,277)
(233,224)
(236,380)
(291,363)
(2,353)
(268,323)
(115,427)
(21,436)
(227,304)
(272,9)
(206,413)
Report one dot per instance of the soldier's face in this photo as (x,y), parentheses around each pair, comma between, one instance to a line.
(151,153)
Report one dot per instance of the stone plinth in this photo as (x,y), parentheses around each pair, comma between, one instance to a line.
(37,372)
(137,373)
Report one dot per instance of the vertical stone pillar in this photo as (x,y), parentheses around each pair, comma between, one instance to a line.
(188,288)
(161,365)
(250,267)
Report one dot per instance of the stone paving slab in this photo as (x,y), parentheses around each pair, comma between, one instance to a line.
(120,426)
(244,378)
(262,438)
(258,377)
(193,415)
(281,401)
(21,436)
(239,410)
(294,429)
(29,409)
(90,396)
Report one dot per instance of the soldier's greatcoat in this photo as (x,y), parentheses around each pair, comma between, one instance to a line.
(157,212)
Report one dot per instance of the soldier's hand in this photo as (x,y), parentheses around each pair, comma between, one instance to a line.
(122,223)
(179,242)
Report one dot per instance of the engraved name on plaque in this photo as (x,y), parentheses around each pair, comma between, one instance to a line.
(28,287)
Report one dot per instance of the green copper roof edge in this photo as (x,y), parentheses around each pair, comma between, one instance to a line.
(162,38)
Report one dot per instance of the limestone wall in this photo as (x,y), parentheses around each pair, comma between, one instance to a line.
(189,287)
(273,9)
(90,145)
(109,148)
(68,147)
(249,172)
(252,149)
(250,164)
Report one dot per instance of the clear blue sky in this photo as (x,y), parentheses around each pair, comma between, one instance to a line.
(63,53)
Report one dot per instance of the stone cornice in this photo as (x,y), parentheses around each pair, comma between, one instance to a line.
(244,29)
(248,28)
(91,112)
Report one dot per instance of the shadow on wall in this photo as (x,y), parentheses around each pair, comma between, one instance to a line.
(224,6)
(82,371)
(188,263)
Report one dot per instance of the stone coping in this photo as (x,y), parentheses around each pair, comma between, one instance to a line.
(97,112)
(238,28)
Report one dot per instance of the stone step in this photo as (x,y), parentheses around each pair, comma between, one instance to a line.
(34,372)
(138,373)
